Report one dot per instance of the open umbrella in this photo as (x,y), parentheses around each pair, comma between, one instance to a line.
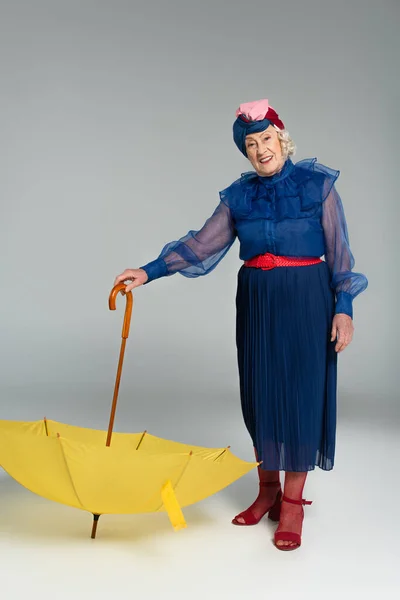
(136,473)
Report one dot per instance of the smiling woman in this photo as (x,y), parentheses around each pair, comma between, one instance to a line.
(294,310)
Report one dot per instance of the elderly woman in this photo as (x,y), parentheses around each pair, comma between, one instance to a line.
(294,310)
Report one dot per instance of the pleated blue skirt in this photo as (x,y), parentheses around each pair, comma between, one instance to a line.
(288,365)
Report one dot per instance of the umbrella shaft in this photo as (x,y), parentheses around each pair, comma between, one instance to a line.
(116,389)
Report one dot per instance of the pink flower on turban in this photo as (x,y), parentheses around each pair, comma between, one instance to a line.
(253,111)
(258,111)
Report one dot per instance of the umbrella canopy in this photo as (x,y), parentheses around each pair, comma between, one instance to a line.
(137,473)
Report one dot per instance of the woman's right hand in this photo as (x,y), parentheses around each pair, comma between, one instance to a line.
(136,277)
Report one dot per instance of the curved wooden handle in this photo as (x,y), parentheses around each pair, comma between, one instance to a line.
(120,287)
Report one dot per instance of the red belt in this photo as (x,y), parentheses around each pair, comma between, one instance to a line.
(270,261)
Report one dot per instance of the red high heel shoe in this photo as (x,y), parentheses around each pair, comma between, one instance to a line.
(289,536)
(273,511)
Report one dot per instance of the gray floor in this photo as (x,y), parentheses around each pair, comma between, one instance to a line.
(349,538)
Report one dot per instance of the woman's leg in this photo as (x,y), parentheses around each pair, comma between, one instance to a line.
(291,517)
(266,495)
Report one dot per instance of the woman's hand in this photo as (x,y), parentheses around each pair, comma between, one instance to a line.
(137,277)
(342,330)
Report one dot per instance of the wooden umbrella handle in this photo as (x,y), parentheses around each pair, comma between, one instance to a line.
(120,287)
(125,332)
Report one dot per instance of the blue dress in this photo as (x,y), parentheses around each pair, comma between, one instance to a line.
(287,363)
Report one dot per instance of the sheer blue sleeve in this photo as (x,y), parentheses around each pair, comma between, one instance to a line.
(198,252)
(338,255)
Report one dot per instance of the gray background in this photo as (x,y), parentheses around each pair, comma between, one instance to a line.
(115,121)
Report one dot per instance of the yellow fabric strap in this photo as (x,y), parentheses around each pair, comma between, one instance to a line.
(172,507)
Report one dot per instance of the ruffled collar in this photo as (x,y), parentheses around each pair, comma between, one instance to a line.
(296,191)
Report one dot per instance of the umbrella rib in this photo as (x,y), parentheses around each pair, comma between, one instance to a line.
(222,453)
(141,439)
(69,472)
(174,487)
(183,470)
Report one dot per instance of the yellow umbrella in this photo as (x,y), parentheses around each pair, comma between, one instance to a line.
(137,473)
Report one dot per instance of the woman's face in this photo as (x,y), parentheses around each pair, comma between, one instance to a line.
(264,151)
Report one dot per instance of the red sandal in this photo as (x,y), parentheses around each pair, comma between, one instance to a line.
(273,511)
(289,536)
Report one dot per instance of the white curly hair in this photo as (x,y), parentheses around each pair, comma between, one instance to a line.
(287,144)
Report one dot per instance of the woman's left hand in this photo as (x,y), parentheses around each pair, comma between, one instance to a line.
(342,330)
